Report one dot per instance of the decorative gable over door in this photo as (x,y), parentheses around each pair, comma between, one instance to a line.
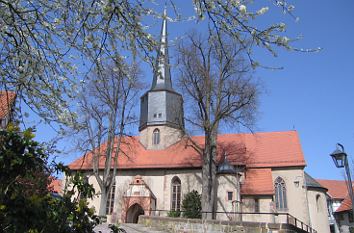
(137,200)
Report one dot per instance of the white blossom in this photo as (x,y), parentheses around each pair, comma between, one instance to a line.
(262,11)
(242,9)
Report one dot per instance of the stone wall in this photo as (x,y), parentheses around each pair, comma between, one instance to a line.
(168,136)
(177,225)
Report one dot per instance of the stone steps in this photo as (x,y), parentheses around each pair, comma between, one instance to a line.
(138,228)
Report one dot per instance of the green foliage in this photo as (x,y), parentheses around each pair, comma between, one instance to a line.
(191,205)
(26,204)
(174,214)
(115,228)
(23,181)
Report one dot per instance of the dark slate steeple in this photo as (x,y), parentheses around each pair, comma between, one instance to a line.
(162,73)
(161,105)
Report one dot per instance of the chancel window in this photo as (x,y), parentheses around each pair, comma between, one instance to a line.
(318,203)
(280,194)
(156,137)
(176,194)
(110,199)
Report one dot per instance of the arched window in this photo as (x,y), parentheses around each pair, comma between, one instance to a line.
(110,199)
(318,202)
(176,194)
(156,137)
(280,194)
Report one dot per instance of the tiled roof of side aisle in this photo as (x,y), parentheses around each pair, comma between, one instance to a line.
(346,205)
(7,98)
(337,189)
(258,150)
(258,182)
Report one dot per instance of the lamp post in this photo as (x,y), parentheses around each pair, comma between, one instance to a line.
(340,159)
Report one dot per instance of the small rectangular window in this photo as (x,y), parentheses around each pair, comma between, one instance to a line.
(256,205)
(229,196)
(155,115)
(160,115)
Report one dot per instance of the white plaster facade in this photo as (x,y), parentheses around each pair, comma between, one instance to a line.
(318,210)
(159,182)
(301,202)
(296,192)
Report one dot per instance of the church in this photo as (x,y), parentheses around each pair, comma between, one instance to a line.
(260,176)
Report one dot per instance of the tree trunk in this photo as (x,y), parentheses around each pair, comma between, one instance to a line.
(103,202)
(213,174)
(208,177)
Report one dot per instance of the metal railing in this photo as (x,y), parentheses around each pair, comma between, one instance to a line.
(279,218)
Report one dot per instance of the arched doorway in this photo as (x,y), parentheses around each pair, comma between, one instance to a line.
(133,213)
(137,200)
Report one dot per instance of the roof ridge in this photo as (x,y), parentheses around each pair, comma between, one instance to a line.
(331,180)
(251,133)
(226,134)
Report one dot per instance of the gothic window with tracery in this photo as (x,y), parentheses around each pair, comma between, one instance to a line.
(280,194)
(176,194)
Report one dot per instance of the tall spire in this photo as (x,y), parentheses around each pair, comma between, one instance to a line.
(162,73)
(161,108)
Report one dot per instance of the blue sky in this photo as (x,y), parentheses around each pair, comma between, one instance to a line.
(313,94)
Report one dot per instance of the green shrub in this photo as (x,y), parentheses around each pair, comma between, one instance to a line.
(174,214)
(192,205)
(26,204)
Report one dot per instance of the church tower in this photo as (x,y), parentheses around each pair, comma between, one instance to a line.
(161,108)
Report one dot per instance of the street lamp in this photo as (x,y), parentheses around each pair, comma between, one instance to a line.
(339,156)
(340,159)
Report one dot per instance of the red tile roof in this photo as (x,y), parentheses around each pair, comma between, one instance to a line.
(7,99)
(346,205)
(259,150)
(258,182)
(337,189)
(55,185)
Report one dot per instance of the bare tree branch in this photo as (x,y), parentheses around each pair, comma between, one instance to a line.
(215,76)
(105,107)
